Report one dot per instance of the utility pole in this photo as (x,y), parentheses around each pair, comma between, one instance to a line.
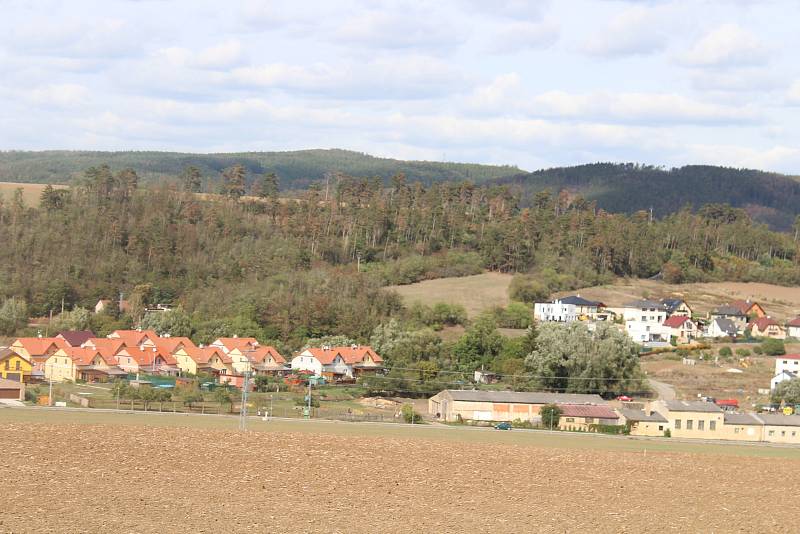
(309,398)
(243,409)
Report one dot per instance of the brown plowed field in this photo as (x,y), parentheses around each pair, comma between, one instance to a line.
(72,477)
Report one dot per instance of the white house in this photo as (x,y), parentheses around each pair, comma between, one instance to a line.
(793,328)
(320,361)
(556,311)
(787,367)
(644,321)
(720,327)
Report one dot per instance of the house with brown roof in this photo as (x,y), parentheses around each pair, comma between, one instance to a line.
(75,338)
(749,308)
(766,327)
(682,328)
(266,360)
(583,417)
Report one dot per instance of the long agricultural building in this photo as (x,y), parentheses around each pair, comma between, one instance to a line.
(465,405)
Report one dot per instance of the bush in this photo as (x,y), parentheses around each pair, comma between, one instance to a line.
(742,353)
(525,289)
(725,352)
(409,415)
(550,414)
(773,347)
(668,433)
(757,350)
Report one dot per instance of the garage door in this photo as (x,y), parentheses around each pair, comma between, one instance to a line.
(9,394)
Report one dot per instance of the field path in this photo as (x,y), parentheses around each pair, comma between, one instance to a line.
(665,391)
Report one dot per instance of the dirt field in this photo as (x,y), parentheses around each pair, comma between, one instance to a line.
(30,192)
(68,472)
(476,293)
(479,292)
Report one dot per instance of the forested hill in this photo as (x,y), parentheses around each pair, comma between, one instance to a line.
(296,169)
(626,188)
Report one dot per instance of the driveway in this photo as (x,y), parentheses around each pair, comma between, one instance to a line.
(11,402)
(664,391)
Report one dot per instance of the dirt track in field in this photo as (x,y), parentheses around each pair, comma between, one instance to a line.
(106,478)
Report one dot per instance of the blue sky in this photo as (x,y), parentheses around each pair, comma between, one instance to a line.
(534,84)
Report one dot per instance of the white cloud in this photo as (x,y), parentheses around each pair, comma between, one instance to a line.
(793,94)
(729,45)
(635,31)
(59,95)
(520,36)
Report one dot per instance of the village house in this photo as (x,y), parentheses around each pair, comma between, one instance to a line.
(766,327)
(780,428)
(470,405)
(742,427)
(238,350)
(75,338)
(12,390)
(749,308)
(103,305)
(644,321)
(14,367)
(692,419)
(81,363)
(732,314)
(587,310)
(336,363)
(580,417)
(676,308)
(37,350)
(266,360)
(135,338)
(793,328)
(557,311)
(644,422)
(681,327)
(787,367)
(721,327)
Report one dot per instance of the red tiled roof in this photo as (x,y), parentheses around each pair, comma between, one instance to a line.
(743,305)
(350,355)
(134,337)
(171,344)
(204,354)
(261,353)
(763,322)
(675,321)
(788,357)
(38,346)
(85,355)
(241,343)
(581,410)
(794,322)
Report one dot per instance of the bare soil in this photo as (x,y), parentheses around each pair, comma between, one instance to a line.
(128,478)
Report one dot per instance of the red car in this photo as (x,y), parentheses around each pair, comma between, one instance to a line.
(624,398)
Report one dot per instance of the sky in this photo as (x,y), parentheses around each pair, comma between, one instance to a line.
(526,83)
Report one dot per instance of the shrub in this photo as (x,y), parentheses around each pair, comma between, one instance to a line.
(668,433)
(725,352)
(773,347)
(757,350)
(550,414)
(409,415)
(742,353)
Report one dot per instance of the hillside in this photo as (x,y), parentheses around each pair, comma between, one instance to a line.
(296,169)
(768,197)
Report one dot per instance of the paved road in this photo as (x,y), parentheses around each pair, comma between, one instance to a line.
(664,391)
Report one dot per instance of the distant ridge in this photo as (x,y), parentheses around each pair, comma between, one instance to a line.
(627,187)
(296,169)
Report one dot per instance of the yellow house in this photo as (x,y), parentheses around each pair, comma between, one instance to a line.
(195,360)
(693,419)
(60,367)
(743,427)
(237,349)
(767,327)
(14,367)
(644,422)
(80,363)
(37,349)
(781,428)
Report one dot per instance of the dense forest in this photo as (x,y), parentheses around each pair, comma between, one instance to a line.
(291,270)
(626,188)
(297,169)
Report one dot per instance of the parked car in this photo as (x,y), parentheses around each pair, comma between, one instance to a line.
(624,398)
(503,426)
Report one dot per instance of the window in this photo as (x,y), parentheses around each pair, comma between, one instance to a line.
(736,430)
(689,424)
(701,425)
(677,424)
(16,365)
(712,425)
(570,419)
(793,433)
(644,318)
(660,427)
(771,432)
(8,365)
(783,433)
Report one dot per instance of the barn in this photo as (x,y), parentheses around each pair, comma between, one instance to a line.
(471,405)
